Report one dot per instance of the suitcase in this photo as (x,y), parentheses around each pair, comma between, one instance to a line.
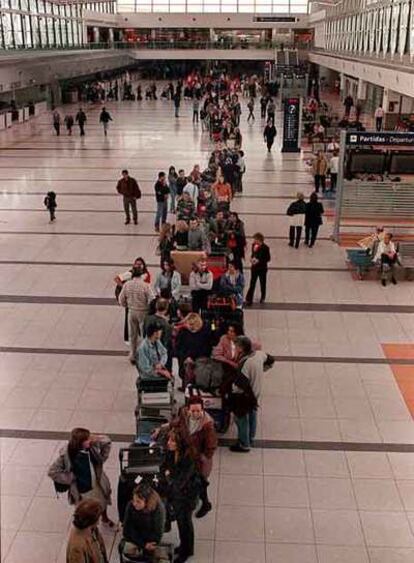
(136,463)
(145,427)
(221,303)
(154,404)
(152,385)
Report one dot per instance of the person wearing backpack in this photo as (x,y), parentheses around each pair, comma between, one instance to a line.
(50,204)
(79,470)
(129,189)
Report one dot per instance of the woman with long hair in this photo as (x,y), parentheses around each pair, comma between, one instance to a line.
(165,242)
(180,486)
(144,523)
(168,278)
(79,468)
(172,184)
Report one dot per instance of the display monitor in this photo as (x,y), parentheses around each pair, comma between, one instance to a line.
(370,162)
(402,163)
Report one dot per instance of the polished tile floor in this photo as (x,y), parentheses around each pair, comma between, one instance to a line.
(332,478)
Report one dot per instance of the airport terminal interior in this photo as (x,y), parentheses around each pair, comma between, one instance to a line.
(298,117)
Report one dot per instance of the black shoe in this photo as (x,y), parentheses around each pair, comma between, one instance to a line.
(384,283)
(237,448)
(204,509)
(127,222)
(135,222)
(291,244)
(393,280)
(262,300)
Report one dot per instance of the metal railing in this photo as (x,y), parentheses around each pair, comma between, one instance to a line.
(198,45)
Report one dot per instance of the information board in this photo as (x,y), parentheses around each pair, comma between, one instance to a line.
(291,125)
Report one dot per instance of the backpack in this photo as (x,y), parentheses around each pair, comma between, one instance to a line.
(60,487)
(208,373)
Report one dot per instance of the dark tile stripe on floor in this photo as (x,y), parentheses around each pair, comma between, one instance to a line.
(156,265)
(317,307)
(83,234)
(150,195)
(278,358)
(265,444)
(119,211)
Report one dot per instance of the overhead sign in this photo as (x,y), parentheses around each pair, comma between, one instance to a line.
(291,125)
(381,138)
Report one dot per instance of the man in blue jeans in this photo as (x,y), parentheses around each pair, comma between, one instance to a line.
(246,393)
(161,197)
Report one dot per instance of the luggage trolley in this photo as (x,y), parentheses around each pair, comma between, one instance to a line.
(155,397)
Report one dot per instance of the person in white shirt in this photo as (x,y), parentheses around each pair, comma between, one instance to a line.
(379,116)
(333,146)
(333,168)
(387,256)
(201,284)
(192,190)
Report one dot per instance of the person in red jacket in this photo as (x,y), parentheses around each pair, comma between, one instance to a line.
(129,189)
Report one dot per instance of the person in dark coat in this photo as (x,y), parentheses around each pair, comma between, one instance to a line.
(180,487)
(269,134)
(81,120)
(296,213)
(259,260)
(129,189)
(50,204)
(193,341)
(144,522)
(105,118)
(313,219)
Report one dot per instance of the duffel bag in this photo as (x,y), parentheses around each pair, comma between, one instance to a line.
(208,373)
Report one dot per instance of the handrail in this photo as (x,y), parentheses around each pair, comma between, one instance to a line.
(198,45)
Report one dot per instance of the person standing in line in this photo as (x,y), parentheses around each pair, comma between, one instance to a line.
(250,107)
(81,120)
(162,192)
(85,541)
(137,295)
(313,219)
(348,103)
(260,259)
(69,121)
(50,204)
(296,213)
(269,134)
(172,184)
(333,170)
(319,170)
(56,122)
(246,392)
(129,189)
(196,108)
(177,103)
(379,116)
(105,118)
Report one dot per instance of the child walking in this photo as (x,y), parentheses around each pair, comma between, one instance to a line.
(50,204)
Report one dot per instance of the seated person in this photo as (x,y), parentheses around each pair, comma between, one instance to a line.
(387,256)
(162,320)
(181,235)
(152,356)
(168,278)
(197,239)
(144,524)
(232,283)
(201,284)
(185,208)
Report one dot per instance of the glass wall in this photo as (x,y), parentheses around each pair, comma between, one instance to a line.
(370,27)
(215,6)
(28,24)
